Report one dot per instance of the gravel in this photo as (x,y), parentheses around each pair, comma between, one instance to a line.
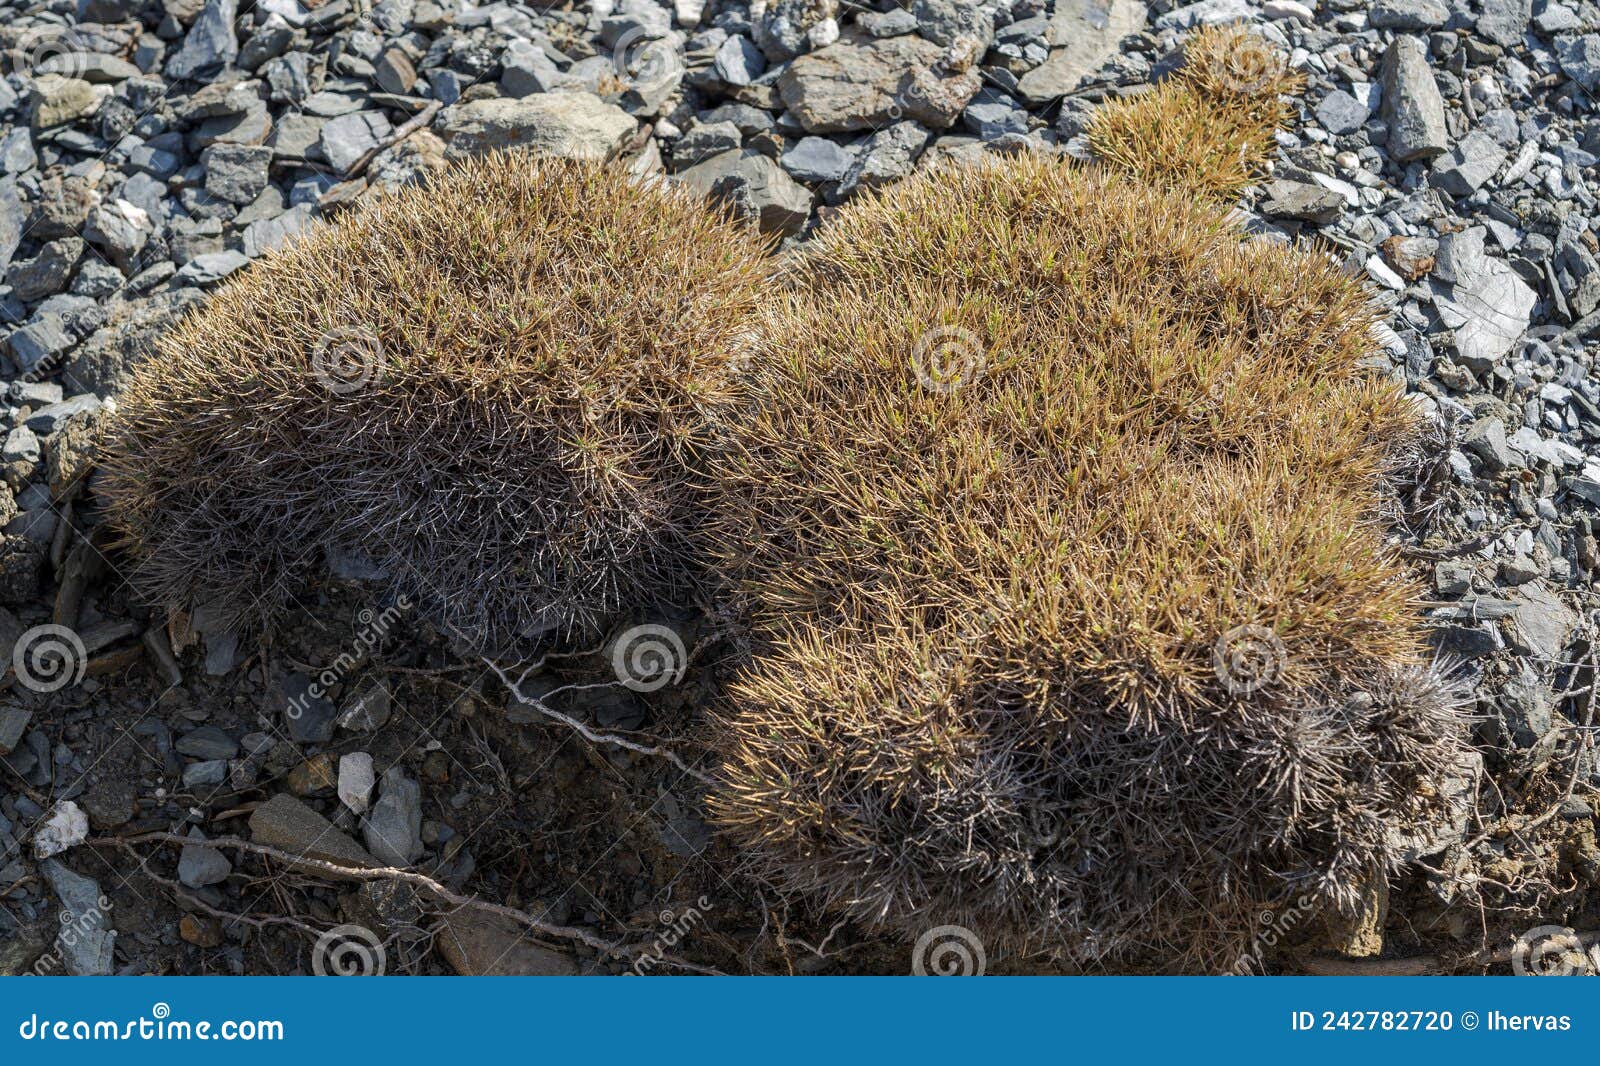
(1445,150)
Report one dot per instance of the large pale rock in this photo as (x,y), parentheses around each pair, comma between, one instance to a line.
(849,86)
(1083,34)
(57,101)
(565,125)
(1481,298)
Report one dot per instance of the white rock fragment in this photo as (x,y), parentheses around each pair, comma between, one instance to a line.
(356,780)
(66,827)
(1380,272)
(1287,9)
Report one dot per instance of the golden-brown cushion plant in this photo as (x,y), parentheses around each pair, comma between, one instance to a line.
(1073,623)
(496,387)
(1208,128)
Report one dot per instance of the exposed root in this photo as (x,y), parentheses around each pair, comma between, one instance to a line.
(416,880)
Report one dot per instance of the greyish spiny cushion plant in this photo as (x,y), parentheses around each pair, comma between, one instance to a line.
(496,388)
(1075,625)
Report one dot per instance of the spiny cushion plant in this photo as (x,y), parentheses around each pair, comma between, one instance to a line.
(1208,128)
(497,388)
(1074,624)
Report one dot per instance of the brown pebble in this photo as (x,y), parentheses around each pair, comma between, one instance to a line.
(200,930)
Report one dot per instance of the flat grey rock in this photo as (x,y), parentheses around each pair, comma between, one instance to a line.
(817,159)
(1206,13)
(46,273)
(207,742)
(212,267)
(13,221)
(1084,35)
(86,940)
(268,235)
(525,70)
(393,828)
(1504,21)
(120,230)
(346,138)
(704,140)
(1340,113)
(48,420)
(1408,15)
(1469,165)
(1481,298)
(43,337)
(756,186)
(1579,57)
(942,21)
(308,714)
(200,866)
(566,125)
(739,61)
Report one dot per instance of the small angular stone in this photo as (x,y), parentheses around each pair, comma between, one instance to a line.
(1412,105)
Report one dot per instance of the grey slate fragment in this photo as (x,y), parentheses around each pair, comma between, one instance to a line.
(1472,163)
(210,43)
(817,159)
(1412,104)
(85,942)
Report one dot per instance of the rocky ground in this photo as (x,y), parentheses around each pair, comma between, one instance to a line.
(150,148)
